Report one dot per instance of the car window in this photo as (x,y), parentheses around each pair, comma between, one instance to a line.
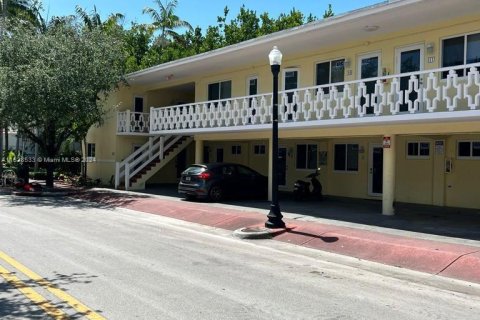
(228,170)
(244,171)
(194,170)
(216,170)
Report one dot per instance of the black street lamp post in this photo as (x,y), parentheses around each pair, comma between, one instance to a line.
(275,216)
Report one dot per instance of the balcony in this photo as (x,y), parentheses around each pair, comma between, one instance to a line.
(445,94)
(133,123)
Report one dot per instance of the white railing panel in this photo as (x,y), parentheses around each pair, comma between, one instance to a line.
(133,122)
(438,90)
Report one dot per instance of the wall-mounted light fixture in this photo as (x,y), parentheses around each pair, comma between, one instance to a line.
(347,63)
(290,152)
(371,28)
(430,47)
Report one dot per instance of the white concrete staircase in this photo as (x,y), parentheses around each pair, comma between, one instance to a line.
(141,165)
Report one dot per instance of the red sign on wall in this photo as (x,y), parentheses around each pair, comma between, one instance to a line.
(386,142)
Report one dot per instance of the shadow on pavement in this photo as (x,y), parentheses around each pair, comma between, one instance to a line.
(101,199)
(450,222)
(14,305)
(326,239)
(442,221)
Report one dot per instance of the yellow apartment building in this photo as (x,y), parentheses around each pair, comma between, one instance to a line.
(385,99)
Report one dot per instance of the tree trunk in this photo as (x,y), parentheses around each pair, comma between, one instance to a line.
(6,142)
(84,157)
(1,150)
(35,166)
(50,169)
(5,9)
(17,145)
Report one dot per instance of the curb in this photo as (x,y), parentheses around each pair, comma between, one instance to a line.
(41,193)
(253,233)
(258,232)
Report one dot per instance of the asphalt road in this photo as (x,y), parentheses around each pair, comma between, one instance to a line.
(120,264)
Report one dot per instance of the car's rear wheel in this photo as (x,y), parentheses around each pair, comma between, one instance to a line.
(216,193)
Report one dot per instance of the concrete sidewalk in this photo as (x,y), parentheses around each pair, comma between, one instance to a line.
(437,256)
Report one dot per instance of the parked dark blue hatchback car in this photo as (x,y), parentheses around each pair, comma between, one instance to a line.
(217,181)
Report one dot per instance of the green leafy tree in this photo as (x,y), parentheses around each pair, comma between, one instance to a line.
(57,82)
(213,39)
(137,44)
(144,52)
(267,24)
(329,12)
(16,8)
(244,27)
(15,11)
(286,21)
(166,21)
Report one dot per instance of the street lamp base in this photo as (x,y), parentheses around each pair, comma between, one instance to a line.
(274,218)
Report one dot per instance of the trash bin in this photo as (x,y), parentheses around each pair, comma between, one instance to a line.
(23,172)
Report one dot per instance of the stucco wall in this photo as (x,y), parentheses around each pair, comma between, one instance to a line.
(417,180)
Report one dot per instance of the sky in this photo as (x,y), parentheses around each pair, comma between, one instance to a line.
(201,12)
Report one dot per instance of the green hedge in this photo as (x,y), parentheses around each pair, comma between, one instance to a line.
(41,175)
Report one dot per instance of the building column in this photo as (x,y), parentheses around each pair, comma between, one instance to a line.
(198,151)
(388,193)
(270,164)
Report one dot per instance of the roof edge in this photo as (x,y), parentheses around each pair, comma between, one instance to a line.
(315,25)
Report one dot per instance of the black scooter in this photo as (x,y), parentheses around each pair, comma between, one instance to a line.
(301,189)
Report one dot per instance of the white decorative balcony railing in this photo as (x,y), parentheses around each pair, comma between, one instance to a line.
(133,122)
(433,91)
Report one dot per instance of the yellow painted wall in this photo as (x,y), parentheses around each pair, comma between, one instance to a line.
(417,181)
(164,98)
(168,174)
(349,184)
(421,181)
(462,185)
(414,176)
(125,145)
(125,97)
(105,139)
(103,170)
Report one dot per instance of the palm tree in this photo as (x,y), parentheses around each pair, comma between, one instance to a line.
(94,21)
(166,21)
(25,10)
(91,21)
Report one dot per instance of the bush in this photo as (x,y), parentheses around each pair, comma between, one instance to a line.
(82,182)
(42,175)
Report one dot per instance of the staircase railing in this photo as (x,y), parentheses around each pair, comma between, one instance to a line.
(154,148)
